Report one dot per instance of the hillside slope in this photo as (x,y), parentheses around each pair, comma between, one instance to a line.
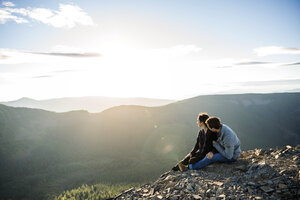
(46,152)
(258,174)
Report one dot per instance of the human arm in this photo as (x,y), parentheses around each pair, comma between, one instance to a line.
(210,154)
(228,149)
(209,148)
(214,138)
(214,150)
(210,136)
(196,147)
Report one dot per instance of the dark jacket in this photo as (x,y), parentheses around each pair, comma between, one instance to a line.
(204,143)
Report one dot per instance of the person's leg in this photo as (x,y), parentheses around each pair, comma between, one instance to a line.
(175,168)
(200,164)
(185,161)
(220,158)
(205,161)
(196,159)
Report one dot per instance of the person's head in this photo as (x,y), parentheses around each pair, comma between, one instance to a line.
(202,117)
(213,124)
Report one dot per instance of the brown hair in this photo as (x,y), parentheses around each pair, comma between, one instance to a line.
(213,122)
(202,117)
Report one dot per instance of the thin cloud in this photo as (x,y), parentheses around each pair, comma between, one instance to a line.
(65,71)
(2,57)
(42,76)
(8,3)
(252,63)
(6,16)
(274,50)
(21,56)
(12,56)
(245,63)
(271,82)
(224,67)
(56,73)
(291,64)
(68,54)
(67,16)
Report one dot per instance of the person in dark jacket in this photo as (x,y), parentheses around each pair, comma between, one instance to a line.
(203,144)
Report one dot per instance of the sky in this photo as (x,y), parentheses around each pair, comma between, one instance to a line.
(165,49)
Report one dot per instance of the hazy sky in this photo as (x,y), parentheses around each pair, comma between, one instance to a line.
(158,49)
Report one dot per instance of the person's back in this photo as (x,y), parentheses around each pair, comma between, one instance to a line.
(228,139)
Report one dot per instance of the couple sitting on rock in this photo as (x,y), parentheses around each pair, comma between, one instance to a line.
(216,142)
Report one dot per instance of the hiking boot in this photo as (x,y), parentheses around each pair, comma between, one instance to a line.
(175,168)
(183,167)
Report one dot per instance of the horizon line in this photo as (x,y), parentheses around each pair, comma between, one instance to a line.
(140,97)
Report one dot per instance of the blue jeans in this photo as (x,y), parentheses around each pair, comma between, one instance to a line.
(205,161)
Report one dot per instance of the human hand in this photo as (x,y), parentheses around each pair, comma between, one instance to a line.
(209,155)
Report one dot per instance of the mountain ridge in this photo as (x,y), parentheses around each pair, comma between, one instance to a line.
(92,104)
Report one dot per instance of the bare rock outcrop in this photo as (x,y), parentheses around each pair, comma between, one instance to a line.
(257,174)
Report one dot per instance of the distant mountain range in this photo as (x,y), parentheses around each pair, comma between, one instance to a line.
(92,104)
(45,152)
